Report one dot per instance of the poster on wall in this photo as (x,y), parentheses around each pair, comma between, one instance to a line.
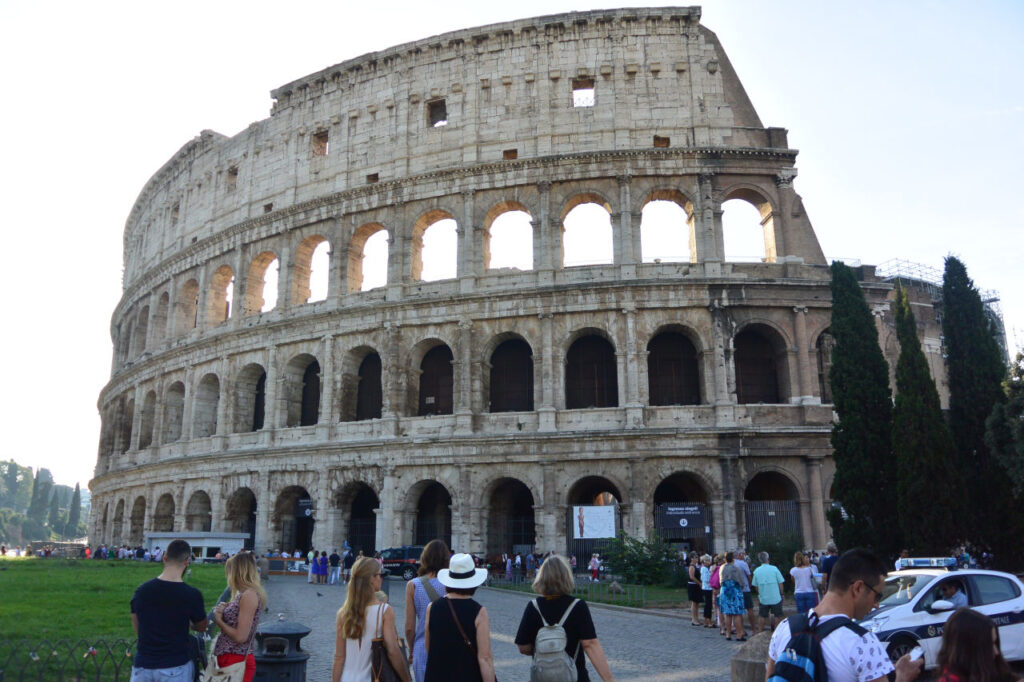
(682,516)
(590,523)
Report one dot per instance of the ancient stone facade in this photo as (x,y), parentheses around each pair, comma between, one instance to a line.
(482,407)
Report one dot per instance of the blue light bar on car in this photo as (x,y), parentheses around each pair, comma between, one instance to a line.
(928,562)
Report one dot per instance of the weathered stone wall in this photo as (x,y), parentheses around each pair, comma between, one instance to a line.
(175,412)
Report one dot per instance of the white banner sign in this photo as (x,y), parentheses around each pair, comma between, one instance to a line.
(589,523)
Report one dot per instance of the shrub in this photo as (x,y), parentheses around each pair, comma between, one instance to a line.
(639,561)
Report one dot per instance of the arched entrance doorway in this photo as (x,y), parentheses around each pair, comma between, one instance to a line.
(433,513)
(772,508)
(510,522)
(592,517)
(293,517)
(163,517)
(197,512)
(681,514)
(357,503)
(137,519)
(240,515)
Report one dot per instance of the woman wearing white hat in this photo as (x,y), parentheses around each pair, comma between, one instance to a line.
(458,630)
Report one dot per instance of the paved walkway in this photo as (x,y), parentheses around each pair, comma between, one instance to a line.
(640,645)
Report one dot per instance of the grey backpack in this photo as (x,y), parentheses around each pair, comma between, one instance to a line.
(550,662)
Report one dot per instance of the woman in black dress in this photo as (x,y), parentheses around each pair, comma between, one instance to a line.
(458,631)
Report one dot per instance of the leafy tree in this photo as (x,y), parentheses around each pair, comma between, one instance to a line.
(976,371)
(865,479)
(930,506)
(1004,429)
(74,513)
(639,562)
(17,486)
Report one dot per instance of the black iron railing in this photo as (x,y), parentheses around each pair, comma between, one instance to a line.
(65,661)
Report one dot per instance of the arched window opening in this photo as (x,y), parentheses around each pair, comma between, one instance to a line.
(359,503)
(370,393)
(261,284)
(758,366)
(590,374)
(592,516)
(148,415)
(508,241)
(587,235)
(511,377)
(666,233)
(772,508)
(141,332)
(240,514)
(438,251)
(127,421)
(159,331)
(672,370)
(136,527)
(163,516)
(511,527)
(204,407)
(747,231)
(681,514)
(250,398)
(222,286)
(310,271)
(433,515)
(188,308)
(302,390)
(174,412)
(436,382)
(368,258)
(198,516)
(825,346)
(294,518)
(117,532)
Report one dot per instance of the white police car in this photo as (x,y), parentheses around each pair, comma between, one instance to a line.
(918,599)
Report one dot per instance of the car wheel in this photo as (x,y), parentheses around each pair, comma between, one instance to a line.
(899,647)
(408,573)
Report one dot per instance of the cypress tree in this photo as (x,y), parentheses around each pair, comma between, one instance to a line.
(923,448)
(53,520)
(865,480)
(40,497)
(1004,429)
(74,513)
(976,371)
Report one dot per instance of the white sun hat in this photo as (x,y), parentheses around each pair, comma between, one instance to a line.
(462,573)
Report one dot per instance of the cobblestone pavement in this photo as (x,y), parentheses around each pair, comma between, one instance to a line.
(641,646)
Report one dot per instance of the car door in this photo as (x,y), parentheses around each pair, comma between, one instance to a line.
(1000,598)
(928,626)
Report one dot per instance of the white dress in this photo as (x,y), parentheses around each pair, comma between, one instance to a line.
(357,651)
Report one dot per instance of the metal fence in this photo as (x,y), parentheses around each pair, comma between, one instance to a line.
(603,592)
(65,661)
(767,518)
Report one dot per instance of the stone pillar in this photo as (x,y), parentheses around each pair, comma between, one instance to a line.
(170,325)
(274,401)
(463,378)
(818,534)
(627,241)
(721,354)
(217,509)
(322,527)
(547,242)
(710,249)
(328,388)
(204,298)
(224,413)
(138,403)
(462,528)
(264,505)
(469,234)
(284,275)
(178,525)
(548,383)
(238,292)
(393,379)
(186,409)
(806,372)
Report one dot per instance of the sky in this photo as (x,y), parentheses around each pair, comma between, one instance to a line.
(909,118)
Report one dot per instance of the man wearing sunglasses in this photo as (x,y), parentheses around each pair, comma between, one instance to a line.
(851,653)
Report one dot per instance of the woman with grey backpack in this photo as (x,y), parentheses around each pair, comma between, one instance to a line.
(556,629)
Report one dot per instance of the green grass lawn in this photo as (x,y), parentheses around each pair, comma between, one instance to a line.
(67,599)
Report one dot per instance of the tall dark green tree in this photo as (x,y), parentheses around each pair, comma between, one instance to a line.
(53,518)
(976,372)
(865,479)
(17,486)
(74,513)
(929,487)
(1004,429)
(39,504)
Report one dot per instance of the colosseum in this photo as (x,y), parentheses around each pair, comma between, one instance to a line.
(488,404)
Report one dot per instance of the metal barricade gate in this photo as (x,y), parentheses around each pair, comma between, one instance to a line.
(688,531)
(772,518)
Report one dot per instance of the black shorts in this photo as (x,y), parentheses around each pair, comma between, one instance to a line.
(748,600)
(775,609)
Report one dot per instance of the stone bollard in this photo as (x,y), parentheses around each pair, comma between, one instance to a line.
(748,663)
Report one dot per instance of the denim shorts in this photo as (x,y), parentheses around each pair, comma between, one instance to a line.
(181,673)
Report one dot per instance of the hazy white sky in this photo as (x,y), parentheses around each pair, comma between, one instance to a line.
(909,118)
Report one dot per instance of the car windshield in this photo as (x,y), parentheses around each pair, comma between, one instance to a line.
(900,589)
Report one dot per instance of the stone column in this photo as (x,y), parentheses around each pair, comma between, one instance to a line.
(463,379)
(627,241)
(224,413)
(186,409)
(170,324)
(322,527)
(272,396)
(264,505)
(803,358)
(392,379)
(238,292)
(708,224)
(637,493)
(284,275)
(217,508)
(138,403)
(721,339)
(546,411)
(328,388)
(547,250)
(202,313)
(815,487)
(467,268)
(178,524)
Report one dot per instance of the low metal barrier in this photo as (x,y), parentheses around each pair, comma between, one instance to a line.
(64,661)
(604,592)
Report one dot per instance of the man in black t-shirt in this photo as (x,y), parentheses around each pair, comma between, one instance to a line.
(162,611)
(335,562)
(350,558)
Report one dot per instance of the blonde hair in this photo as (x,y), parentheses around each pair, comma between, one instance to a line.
(798,559)
(243,575)
(352,614)
(554,577)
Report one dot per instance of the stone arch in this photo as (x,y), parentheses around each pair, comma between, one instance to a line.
(509,375)
(159,331)
(772,505)
(141,332)
(240,514)
(357,254)
(187,313)
(148,418)
(198,512)
(508,505)
(674,370)
(659,224)
(591,371)
(760,357)
(218,307)
(163,515)
(756,197)
(357,502)
(419,230)
(302,390)
(117,532)
(507,223)
(432,377)
(137,520)
(362,384)
(174,412)
(302,268)
(263,273)
(592,489)
(681,510)
(431,504)
(205,405)
(587,227)
(291,520)
(250,398)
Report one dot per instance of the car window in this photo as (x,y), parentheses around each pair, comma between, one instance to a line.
(993,588)
(934,593)
(387,554)
(901,589)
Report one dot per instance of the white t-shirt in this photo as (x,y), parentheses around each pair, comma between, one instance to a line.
(848,656)
(803,578)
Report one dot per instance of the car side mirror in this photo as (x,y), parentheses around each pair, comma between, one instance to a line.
(940,605)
